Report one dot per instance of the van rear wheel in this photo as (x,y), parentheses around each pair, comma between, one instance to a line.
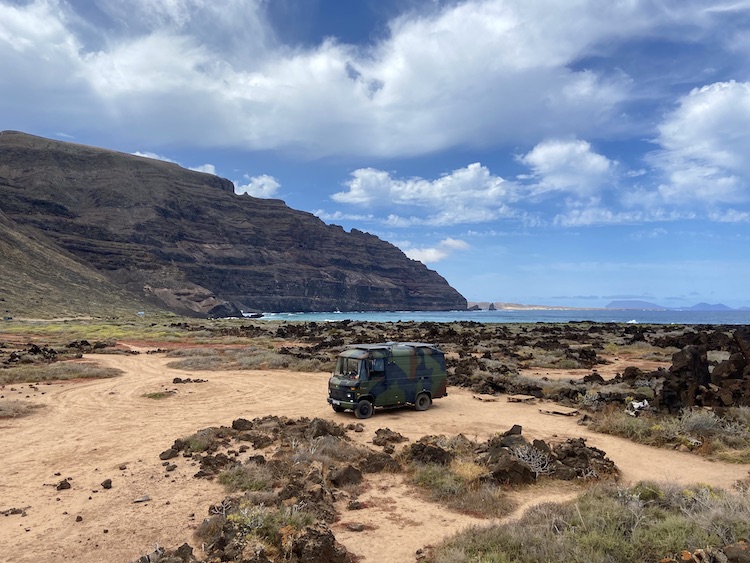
(364,409)
(422,402)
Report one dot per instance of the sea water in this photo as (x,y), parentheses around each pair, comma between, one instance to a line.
(633,316)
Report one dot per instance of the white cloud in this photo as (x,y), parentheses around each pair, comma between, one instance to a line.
(207,168)
(594,215)
(442,250)
(476,72)
(466,195)
(340,216)
(705,142)
(154,156)
(264,186)
(730,216)
(655,233)
(568,166)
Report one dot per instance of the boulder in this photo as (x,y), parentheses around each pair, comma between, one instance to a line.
(242,424)
(729,369)
(686,380)
(428,453)
(385,436)
(317,544)
(510,471)
(319,427)
(576,459)
(742,338)
(347,475)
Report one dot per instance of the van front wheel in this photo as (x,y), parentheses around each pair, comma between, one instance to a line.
(422,402)
(364,409)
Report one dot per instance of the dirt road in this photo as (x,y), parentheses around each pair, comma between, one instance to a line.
(107,429)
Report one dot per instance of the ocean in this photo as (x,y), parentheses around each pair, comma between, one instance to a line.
(633,316)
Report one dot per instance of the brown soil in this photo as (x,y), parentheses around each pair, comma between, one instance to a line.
(91,429)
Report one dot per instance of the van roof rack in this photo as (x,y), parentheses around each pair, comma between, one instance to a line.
(388,345)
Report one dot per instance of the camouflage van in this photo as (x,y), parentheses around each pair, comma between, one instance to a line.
(387,375)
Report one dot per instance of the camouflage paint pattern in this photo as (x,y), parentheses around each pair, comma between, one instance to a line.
(408,368)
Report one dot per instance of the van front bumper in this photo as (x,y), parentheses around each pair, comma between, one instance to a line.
(341,403)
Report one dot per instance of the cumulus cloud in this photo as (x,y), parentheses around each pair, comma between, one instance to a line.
(430,255)
(207,168)
(569,166)
(341,216)
(704,146)
(154,156)
(730,216)
(476,72)
(264,186)
(466,195)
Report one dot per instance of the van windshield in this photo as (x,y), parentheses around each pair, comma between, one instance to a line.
(351,368)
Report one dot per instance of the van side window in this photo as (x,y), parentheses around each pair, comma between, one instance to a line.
(377,367)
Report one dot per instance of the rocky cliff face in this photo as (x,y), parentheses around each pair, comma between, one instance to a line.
(183,239)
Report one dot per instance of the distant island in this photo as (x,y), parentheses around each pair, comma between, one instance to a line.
(622,305)
(645,305)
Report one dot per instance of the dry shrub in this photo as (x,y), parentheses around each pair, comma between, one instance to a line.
(700,430)
(249,358)
(469,471)
(57,371)
(328,450)
(210,529)
(459,488)
(647,522)
(10,408)
(248,477)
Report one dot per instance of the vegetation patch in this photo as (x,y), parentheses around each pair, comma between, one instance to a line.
(14,409)
(160,394)
(473,478)
(647,522)
(248,358)
(459,487)
(702,431)
(57,371)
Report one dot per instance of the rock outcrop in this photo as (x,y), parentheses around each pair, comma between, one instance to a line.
(183,239)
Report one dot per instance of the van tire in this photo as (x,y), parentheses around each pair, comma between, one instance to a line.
(422,402)
(364,409)
(338,408)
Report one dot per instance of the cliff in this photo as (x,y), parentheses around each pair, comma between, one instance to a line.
(185,241)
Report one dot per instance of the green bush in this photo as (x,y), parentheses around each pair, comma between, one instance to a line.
(251,477)
(459,488)
(160,395)
(647,522)
(265,523)
(701,430)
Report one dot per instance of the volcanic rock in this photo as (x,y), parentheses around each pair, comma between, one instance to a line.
(347,475)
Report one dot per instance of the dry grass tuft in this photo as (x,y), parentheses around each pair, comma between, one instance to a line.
(57,371)
(14,409)
(647,522)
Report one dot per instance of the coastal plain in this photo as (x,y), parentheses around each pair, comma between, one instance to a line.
(88,431)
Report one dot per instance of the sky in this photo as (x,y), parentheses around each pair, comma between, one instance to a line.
(566,153)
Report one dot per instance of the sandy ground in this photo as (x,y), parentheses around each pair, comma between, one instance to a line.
(607,371)
(106,429)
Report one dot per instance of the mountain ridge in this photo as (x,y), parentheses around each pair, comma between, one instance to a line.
(183,240)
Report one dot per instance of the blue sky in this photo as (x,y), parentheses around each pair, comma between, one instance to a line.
(532,151)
